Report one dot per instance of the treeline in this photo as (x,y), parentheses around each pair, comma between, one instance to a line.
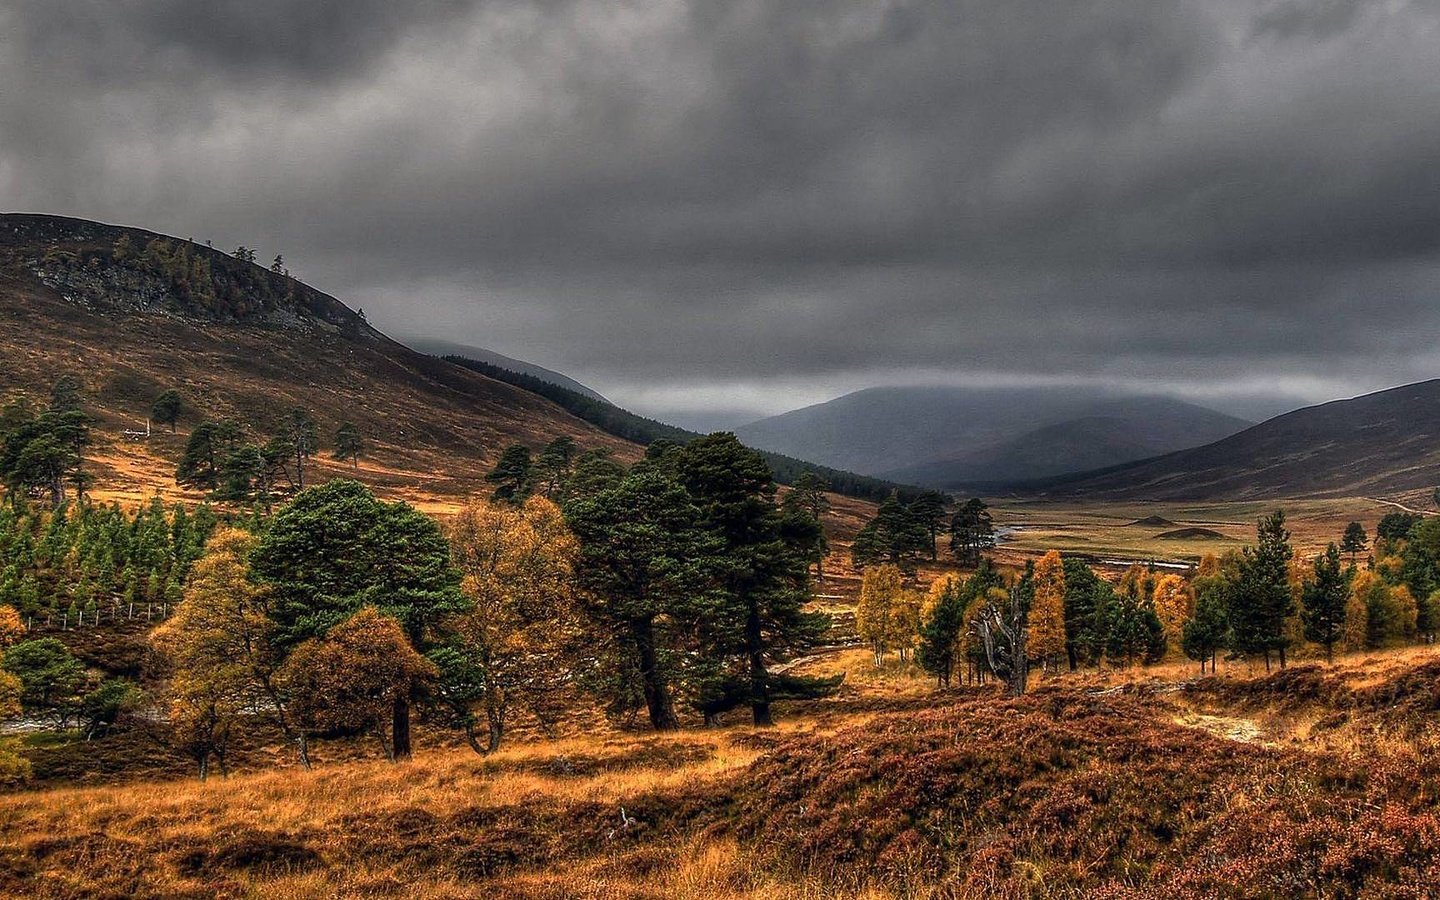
(667,586)
(1261,603)
(640,430)
(84,557)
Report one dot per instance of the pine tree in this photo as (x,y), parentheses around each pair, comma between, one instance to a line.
(167,407)
(1354,541)
(349,443)
(512,475)
(1206,632)
(1323,601)
(971,532)
(942,622)
(1261,600)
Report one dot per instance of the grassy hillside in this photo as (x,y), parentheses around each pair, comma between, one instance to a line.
(244,343)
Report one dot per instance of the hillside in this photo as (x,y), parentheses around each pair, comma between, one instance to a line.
(956,437)
(132,313)
(625,424)
(436,347)
(1384,443)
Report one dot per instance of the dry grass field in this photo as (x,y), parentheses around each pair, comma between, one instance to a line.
(1121,784)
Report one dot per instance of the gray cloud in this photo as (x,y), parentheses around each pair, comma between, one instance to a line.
(756,204)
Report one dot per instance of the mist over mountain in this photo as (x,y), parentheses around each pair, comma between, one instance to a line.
(952,437)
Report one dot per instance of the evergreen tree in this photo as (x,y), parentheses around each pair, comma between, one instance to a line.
(349,443)
(553,467)
(1206,632)
(301,438)
(512,475)
(971,532)
(940,629)
(1260,600)
(893,536)
(1086,597)
(1354,541)
(1324,599)
(167,407)
(334,549)
(806,502)
(646,563)
(209,445)
(928,509)
(764,576)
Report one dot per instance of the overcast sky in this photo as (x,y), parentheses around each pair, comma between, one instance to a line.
(744,207)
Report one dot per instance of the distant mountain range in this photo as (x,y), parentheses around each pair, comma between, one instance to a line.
(1382,443)
(968,438)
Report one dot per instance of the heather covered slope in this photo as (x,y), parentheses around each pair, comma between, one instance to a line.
(242,342)
(1386,443)
(1312,782)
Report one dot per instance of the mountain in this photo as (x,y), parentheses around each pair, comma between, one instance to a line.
(133,313)
(480,354)
(954,437)
(1382,443)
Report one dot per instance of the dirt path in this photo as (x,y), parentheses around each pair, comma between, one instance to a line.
(1232,728)
(1397,504)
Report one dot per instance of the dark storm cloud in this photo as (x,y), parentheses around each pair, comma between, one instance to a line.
(748,205)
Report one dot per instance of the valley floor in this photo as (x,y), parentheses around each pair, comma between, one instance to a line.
(1319,780)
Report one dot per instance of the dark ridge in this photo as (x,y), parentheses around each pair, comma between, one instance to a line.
(631,427)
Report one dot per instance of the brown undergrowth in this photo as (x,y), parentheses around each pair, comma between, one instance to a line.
(1068,792)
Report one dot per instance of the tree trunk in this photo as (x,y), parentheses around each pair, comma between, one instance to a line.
(400,729)
(657,693)
(759,677)
(495,719)
(472,740)
(384,744)
(204,766)
(1267,660)
(1282,657)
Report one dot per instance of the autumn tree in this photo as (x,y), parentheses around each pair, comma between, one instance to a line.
(880,588)
(335,549)
(1323,601)
(646,559)
(1260,600)
(12,629)
(219,646)
(349,443)
(1047,610)
(355,676)
(971,532)
(516,643)
(1173,604)
(512,475)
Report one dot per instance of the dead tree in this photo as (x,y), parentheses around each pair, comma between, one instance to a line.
(1001,628)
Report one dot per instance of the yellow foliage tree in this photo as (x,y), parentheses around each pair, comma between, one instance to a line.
(518,638)
(218,645)
(1046,640)
(12,629)
(879,589)
(905,623)
(1174,605)
(1353,635)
